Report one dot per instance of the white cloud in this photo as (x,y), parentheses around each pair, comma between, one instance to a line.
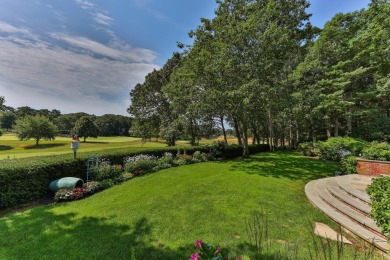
(85,4)
(103,19)
(117,49)
(41,75)
(8,28)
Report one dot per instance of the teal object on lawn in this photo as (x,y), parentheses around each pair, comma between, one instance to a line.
(66,183)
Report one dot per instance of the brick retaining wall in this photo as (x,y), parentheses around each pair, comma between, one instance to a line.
(372,168)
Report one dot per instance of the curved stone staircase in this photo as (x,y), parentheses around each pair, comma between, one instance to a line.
(343,198)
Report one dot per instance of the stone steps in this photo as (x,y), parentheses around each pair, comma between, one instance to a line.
(344,199)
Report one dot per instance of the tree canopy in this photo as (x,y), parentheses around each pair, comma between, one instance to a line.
(35,127)
(85,127)
(263,68)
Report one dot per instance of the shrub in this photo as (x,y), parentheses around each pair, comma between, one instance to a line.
(336,148)
(143,162)
(92,187)
(179,161)
(197,157)
(106,184)
(377,151)
(379,191)
(27,179)
(219,148)
(309,148)
(348,165)
(127,176)
(165,161)
(106,171)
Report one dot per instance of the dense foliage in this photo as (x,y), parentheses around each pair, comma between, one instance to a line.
(336,149)
(379,192)
(261,67)
(377,151)
(85,127)
(35,127)
(108,124)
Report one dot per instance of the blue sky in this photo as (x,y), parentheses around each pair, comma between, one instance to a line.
(86,55)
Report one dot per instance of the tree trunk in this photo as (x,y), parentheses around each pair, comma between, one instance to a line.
(349,123)
(238,134)
(270,129)
(192,127)
(37,142)
(336,127)
(245,142)
(328,131)
(223,130)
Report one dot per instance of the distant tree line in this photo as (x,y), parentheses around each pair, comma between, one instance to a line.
(67,124)
(264,69)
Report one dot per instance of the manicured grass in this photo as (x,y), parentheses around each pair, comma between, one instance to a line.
(11,147)
(159,216)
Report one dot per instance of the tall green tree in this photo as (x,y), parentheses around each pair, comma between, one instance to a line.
(25,111)
(7,119)
(113,125)
(247,48)
(85,127)
(151,107)
(66,122)
(35,127)
(2,101)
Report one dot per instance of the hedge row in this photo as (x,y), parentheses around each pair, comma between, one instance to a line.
(27,179)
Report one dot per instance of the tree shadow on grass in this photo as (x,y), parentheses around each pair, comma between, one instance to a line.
(42,146)
(42,234)
(286,165)
(5,147)
(93,142)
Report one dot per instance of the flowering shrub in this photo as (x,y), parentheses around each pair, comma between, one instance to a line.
(145,163)
(106,171)
(139,157)
(165,161)
(138,172)
(92,187)
(207,251)
(69,195)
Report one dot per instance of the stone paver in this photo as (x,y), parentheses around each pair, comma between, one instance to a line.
(344,199)
(325,231)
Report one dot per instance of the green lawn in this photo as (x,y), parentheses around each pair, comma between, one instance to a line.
(159,216)
(11,147)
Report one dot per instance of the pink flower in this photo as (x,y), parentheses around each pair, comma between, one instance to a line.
(198,243)
(239,258)
(194,256)
(218,251)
